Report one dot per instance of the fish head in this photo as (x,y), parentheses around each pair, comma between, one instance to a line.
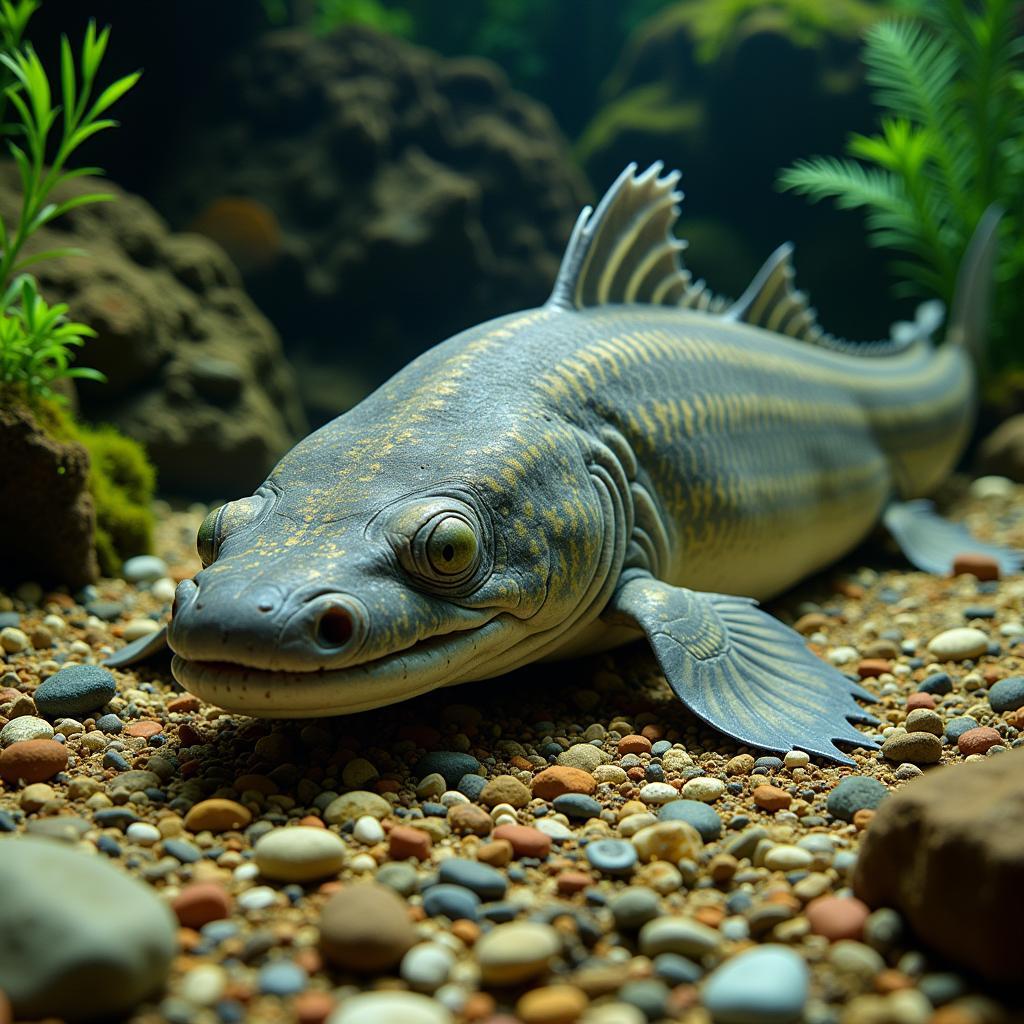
(359,575)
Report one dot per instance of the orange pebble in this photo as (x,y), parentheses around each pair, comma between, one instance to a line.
(466,930)
(313,821)
(771,798)
(312,1007)
(862,818)
(920,700)
(634,744)
(837,917)
(405,841)
(872,667)
(982,567)
(143,729)
(570,882)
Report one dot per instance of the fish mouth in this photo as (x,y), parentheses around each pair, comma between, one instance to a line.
(442,660)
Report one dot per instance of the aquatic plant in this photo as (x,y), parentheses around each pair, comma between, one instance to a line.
(950,84)
(37,340)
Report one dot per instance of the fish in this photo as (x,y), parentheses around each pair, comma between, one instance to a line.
(638,457)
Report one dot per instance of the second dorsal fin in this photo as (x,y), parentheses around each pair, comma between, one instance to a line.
(772,302)
(624,251)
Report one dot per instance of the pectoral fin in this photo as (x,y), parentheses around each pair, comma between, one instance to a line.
(744,672)
(139,650)
(931,543)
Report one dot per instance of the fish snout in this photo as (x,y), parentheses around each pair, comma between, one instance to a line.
(333,624)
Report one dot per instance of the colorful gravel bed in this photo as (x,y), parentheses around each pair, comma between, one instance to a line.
(565,844)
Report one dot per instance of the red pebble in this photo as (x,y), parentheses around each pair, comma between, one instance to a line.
(771,798)
(837,917)
(185,703)
(977,741)
(983,567)
(143,729)
(201,902)
(312,1007)
(920,700)
(526,841)
(33,760)
(869,668)
(634,744)
(405,841)
(570,882)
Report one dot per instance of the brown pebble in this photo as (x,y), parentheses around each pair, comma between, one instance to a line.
(185,703)
(560,779)
(974,741)
(982,567)
(143,729)
(862,818)
(837,917)
(869,668)
(365,928)
(312,1007)
(466,930)
(526,841)
(33,761)
(479,1006)
(217,815)
(405,841)
(469,819)
(201,902)
(811,623)
(551,1004)
(920,700)
(497,853)
(891,980)
(771,798)
(570,882)
(505,789)
(634,744)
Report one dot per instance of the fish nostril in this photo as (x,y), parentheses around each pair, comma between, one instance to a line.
(335,627)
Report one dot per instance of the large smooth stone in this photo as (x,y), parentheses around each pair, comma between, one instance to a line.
(766,985)
(79,939)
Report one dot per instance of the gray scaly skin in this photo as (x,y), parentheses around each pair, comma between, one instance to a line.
(558,481)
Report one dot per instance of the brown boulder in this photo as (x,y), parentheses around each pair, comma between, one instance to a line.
(49,518)
(947,851)
(365,927)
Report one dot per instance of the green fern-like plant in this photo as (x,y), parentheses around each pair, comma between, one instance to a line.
(37,341)
(950,142)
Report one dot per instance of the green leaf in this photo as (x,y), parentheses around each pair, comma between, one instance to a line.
(49,254)
(86,373)
(112,94)
(67,76)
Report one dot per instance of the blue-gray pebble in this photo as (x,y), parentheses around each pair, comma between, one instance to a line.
(74,691)
(451,765)
(853,794)
(109,724)
(696,813)
(487,882)
(956,727)
(612,856)
(1007,694)
(577,805)
(451,901)
(765,985)
(282,978)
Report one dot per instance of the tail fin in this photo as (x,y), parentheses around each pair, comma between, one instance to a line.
(968,324)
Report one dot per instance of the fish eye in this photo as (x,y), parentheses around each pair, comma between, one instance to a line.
(451,547)
(223,521)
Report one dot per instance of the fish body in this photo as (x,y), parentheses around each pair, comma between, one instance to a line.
(634,457)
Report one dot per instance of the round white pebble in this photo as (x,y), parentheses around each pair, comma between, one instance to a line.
(703,788)
(658,793)
(299,853)
(958,644)
(426,967)
(390,1008)
(259,897)
(143,833)
(368,830)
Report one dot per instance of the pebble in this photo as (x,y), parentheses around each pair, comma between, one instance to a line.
(551,1004)
(143,833)
(74,691)
(201,902)
(405,842)
(771,798)
(136,629)
(915,747)
(144,569)
(365,927)
(426,967)
(217,815)
(634,906)
(259,897)
(368,830)
(956,727)
(704,789)
(837,917)
(958,644)
(925,720)
(576,806)
(559,780)
(667,840)
(973,741)
(451,765)
(524,840)
(1005,695)
(391,1008)
(282,978)
(765,985)
(451,901)
(25,727)
(855,793)
(485,881)
(13,640)
(516,952)
(88,919)
(785,857)
(505,789)
(696,813)
(32,761)
(300,853)
(356,805)
(681,935)
(584,756)
(612,856)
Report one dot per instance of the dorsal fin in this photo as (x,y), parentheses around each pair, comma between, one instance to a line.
(772,302)
(624,251)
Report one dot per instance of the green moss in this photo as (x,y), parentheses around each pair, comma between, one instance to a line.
(122,483)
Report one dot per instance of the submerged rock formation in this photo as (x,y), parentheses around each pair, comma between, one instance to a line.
(377,196)
(194,371)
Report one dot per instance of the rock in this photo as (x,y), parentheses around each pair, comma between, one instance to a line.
(471,819)
(516,952)
(390,1008)
(551,1004)
(765,985)
(32,761)
(300,853)
(144,569)
(696,813)
(704,789)
(364,927)
(923,719)
(505,789)
(958,644)
(612,856)
(945,832)
(75,691)
(26,727)
(451,765)
(217,815)
(585,757)
(354,805)
(1007,694)
(682,935)
(771,798)
(915,747)
(485,881)
(457,188)
(451,901)
(164,307)
(855,793)
(66,916)
(526,841)
(49,515)
(559,780)
(668,840)
(404,841)
(201,902)
(837,917)
(426,967)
